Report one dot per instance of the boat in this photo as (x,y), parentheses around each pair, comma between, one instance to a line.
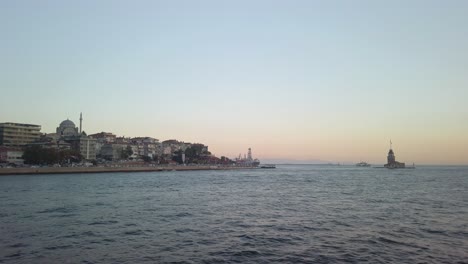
(363,164)
(268,166)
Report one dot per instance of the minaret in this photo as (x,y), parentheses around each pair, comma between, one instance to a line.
(81,121)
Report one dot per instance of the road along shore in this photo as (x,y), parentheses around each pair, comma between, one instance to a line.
(69,170)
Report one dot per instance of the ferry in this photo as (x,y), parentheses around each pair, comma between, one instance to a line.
(363,164)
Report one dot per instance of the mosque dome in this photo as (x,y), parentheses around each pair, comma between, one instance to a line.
(67,123)
(67,128)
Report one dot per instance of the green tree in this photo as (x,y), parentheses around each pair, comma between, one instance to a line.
(146,158)
(32,155)
(127,152)
(38,155)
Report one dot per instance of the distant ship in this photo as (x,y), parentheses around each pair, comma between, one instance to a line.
(247,161)
(363,164)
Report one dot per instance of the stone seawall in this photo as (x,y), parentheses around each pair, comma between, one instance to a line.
(65,170)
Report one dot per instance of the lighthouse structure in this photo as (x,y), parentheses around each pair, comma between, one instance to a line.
(391,160)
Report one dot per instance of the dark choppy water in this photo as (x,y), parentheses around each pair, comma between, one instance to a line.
(294,214)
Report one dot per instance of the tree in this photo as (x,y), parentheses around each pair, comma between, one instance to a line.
(146,158)
(177,157)
(226,160)
(41,156)
(32,155)
(127,152)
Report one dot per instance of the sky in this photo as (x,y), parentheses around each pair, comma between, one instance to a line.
(299,80)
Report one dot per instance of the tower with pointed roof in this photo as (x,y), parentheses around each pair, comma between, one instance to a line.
(390,157)
(391,160)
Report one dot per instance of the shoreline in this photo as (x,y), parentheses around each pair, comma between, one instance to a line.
(76,170)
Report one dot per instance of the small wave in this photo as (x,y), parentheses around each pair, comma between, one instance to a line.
(14,255)
(284,228)
(58,247)
(433,231)
(134,232)
(18,245)
(63,215)
(340,223)
(103,222)
(89,234)
(281,240)
(184,230)
(246,253)
(238,223)
(314,228)
(63,210)
(391,241)
(293,259)
(184,214)
(245,237)
(213,260)
(207,242)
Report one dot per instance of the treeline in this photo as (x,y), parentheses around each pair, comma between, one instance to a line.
(37,155)
(197,154)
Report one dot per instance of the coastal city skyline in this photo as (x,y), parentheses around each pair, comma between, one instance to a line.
(307,81)
(68,128)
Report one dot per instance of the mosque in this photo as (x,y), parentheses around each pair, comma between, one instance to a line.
(67,129)
(69,136)
(391,161)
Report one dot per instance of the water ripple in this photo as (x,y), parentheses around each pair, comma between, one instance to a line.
(294,214)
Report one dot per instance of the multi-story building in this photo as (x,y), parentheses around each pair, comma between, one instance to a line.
(170,146)
(102,139)
(18,135)
(147,146)
(112,151)
(122,140)
(88,148)
(85,145)
(11,155)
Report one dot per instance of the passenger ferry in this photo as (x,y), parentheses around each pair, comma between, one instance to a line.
(363,164)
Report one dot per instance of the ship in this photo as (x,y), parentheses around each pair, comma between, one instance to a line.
(363,164)
(247,161)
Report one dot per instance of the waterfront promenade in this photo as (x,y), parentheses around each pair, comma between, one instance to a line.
(97,169)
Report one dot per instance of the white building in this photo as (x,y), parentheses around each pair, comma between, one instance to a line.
(11,155)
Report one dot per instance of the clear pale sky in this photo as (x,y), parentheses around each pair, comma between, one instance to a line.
(329,80)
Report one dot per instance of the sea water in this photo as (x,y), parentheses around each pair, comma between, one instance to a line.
(292,214)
